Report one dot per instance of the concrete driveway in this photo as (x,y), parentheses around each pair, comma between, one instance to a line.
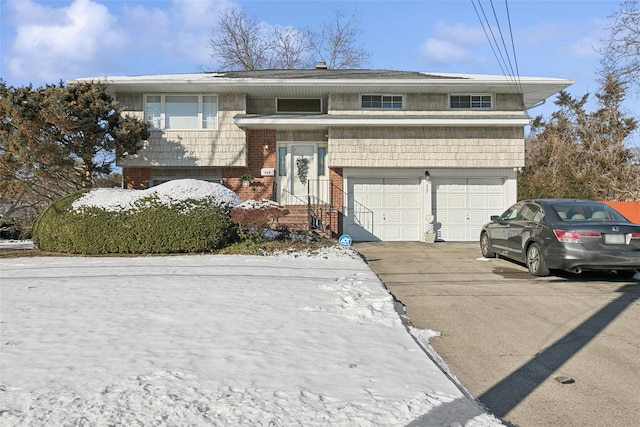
(560,350)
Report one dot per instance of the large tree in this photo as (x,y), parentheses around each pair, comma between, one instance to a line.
(56,139)
(241,42)
(578,154)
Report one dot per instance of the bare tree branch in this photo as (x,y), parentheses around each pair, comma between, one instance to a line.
(242,42)
(621,52)
(336,42)
(291,49)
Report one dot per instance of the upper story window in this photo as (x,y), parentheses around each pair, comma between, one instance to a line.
(382,102)
(182,111)
(299,105)
(471,102)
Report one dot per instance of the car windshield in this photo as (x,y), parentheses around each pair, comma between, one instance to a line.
(576,211)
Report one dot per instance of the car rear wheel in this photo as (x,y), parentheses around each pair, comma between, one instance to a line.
(535,261)
(485,246)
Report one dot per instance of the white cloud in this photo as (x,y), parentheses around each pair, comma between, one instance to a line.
(452,43)
(443,51)
(585,47)
(180,33)
(460,33)
(541,33)
(81,38)
(566,40)
(53,43)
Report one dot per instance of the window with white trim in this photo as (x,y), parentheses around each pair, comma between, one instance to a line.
(381,102)
(182,111)
(471,102)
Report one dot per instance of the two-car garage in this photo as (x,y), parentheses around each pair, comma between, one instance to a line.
(397,208)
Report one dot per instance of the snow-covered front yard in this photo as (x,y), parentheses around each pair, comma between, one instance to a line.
(214,340)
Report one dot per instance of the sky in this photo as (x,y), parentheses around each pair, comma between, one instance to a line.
(309,339)
(51,40)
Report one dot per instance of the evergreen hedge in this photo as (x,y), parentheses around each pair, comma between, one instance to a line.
(191,225)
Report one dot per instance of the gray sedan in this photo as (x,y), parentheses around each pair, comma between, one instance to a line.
(564,234)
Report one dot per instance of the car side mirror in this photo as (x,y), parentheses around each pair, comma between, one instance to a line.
(495,217)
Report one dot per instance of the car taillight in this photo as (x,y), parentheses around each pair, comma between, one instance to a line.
(574,236)
(635,235)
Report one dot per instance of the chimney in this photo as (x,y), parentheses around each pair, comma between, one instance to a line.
(321,65)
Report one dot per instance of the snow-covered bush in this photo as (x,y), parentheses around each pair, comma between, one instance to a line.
(178,216)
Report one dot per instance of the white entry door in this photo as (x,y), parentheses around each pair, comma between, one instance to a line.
(384,209)
(300,165)
(297,166)
(462,205)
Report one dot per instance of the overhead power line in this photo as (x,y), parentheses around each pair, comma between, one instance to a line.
(506,57)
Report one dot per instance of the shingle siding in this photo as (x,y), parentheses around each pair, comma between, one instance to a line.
(301,136)
(223,147)
(432,146)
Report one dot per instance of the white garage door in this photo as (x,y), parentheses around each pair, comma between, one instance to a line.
(462,205)
(385,209)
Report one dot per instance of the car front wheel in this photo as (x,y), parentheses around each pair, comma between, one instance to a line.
(535,261)
(485,246)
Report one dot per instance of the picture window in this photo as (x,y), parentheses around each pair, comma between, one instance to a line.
(182,111)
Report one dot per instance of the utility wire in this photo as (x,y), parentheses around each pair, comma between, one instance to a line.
(489,39)
(513,45)
(501,54)
(504,45)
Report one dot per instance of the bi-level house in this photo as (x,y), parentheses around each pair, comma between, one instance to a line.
(375,154)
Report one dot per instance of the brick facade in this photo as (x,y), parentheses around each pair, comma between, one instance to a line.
(258,157)
(337,199)
(135,178)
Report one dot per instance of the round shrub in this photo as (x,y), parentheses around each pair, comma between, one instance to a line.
(150,225)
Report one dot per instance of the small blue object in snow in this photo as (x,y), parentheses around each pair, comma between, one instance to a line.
(345,240)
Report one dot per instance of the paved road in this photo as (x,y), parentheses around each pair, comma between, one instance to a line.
(554,351)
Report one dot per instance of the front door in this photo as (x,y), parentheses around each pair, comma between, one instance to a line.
(297,172)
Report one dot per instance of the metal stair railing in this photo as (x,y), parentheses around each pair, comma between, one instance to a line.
(326,204)
(315,215)
(321,208)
